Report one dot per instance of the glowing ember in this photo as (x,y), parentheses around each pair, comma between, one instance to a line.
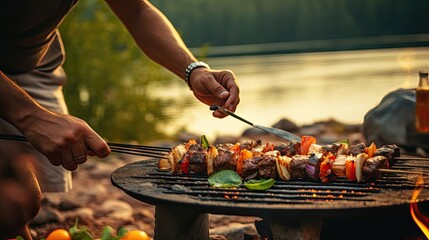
(421,220)
(232,196)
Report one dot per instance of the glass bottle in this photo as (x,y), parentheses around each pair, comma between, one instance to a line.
(422,103)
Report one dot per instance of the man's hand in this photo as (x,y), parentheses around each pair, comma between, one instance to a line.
(215,87)
(65,140)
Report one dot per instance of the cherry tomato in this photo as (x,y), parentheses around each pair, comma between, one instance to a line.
(59,234)
(135,235)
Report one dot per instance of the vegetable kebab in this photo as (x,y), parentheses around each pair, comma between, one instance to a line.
(294,160)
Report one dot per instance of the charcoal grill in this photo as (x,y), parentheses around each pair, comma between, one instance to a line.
(297,199)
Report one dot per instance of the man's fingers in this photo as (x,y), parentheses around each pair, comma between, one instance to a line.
(216,89)
(219,114)
(97,145)
(80,159)
(55,159)
(229,90)
(79,153)
(71,166)
(232,103)
(67,161)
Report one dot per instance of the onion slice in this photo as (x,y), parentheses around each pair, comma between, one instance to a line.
(282,166)
(359,162)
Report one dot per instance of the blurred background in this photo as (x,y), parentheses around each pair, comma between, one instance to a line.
(302,60)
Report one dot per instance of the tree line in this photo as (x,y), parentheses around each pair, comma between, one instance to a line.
(235,22)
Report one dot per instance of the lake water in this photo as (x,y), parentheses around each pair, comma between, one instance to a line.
(303,88)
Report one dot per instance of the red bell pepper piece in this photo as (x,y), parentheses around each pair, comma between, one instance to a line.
(306,141)
(184,165)
(351,170)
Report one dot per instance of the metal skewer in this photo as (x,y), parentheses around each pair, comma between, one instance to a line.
(278,132)
(412,158)
(383,170)
(138,150)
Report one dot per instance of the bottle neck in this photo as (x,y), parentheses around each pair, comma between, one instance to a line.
(424,82)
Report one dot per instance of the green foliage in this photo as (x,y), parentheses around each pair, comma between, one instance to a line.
(109,79)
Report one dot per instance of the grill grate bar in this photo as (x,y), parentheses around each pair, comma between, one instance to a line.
(276,191)
(415,167)
(411,158)
(291,192)
(166,175)
(324,187)
(226,196)
(279,185)
(258,201)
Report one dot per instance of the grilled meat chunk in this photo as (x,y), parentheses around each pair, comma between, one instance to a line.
(225,160)
(251,167)
(197,159)
(297,166)
(370,167)
(250,145)
(289,149)
(267,165)
(390,152)
(335,148)
(356,149)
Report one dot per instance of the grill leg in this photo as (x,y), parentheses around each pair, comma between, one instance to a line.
(303,229)
(180,223)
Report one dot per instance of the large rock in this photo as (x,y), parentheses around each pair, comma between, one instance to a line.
(253,133)
(286,125)
(392,121)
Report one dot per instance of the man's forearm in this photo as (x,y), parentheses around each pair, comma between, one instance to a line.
(16,106)
(154,34)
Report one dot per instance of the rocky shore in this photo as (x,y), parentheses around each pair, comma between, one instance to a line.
(97,203)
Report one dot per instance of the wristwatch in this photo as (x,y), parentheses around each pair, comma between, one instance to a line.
(191,67)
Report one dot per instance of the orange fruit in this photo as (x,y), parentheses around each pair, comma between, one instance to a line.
(135,235)
(59,234)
